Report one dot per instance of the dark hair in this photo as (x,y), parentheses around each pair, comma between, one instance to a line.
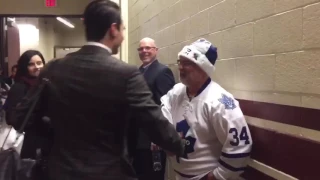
(23,63)
(99,15)
(14,67)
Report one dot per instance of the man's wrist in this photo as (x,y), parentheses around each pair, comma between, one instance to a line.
(183,146)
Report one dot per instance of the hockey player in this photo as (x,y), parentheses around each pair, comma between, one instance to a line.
(218,140)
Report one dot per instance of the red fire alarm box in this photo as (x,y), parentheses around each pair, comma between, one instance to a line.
(51,3)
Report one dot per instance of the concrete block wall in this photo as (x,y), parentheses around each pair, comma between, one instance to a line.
(269,50)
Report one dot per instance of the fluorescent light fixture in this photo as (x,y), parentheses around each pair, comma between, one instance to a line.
(65,22)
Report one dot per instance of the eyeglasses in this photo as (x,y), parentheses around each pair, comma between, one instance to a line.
(185,63)
(147,48)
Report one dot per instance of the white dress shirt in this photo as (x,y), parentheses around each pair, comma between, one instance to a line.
(100,45)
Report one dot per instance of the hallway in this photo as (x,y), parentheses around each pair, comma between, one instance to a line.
(268,58)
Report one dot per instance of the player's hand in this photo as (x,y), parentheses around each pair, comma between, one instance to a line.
(154,147)
(169,153)
(210,176)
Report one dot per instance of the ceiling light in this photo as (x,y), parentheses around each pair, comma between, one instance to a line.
(64,21)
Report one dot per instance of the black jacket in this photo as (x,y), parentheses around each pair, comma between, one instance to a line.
(160,80)
(94,100)
(38,135)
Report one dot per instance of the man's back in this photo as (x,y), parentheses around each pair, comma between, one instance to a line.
(90,108)
(90,114)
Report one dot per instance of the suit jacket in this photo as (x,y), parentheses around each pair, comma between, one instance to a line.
(160,80)
(91,101)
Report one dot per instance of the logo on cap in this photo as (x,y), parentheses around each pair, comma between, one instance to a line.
(195,56)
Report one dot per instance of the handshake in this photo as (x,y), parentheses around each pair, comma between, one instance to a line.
(154,147)
(157,166)
(156,157)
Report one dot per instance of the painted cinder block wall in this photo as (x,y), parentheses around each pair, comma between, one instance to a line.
(269,50)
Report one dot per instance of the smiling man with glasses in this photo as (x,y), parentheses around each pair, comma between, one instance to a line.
(160,80)
(208,117)
(147,53)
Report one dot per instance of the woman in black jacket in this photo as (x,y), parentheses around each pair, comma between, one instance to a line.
(28,69)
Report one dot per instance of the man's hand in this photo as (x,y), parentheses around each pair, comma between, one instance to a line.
(154,147)
(210,176)
(169,153)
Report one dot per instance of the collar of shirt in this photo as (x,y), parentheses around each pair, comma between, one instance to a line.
(100,45)
(203,87)
(146,66)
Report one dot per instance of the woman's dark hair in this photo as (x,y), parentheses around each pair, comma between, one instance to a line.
(99,15)
(23,63)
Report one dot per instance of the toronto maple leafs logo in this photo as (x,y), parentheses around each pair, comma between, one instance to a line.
(184,129)
(227,102)
(195,56)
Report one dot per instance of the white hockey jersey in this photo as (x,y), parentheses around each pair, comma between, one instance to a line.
(217,136)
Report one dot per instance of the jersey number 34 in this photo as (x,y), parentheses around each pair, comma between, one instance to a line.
(243,136)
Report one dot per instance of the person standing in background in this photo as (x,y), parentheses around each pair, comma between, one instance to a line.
(28,69)
(37,139)
(160,80)
(10,79)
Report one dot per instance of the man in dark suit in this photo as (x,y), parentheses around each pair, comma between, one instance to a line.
(160,80)
(91,99)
